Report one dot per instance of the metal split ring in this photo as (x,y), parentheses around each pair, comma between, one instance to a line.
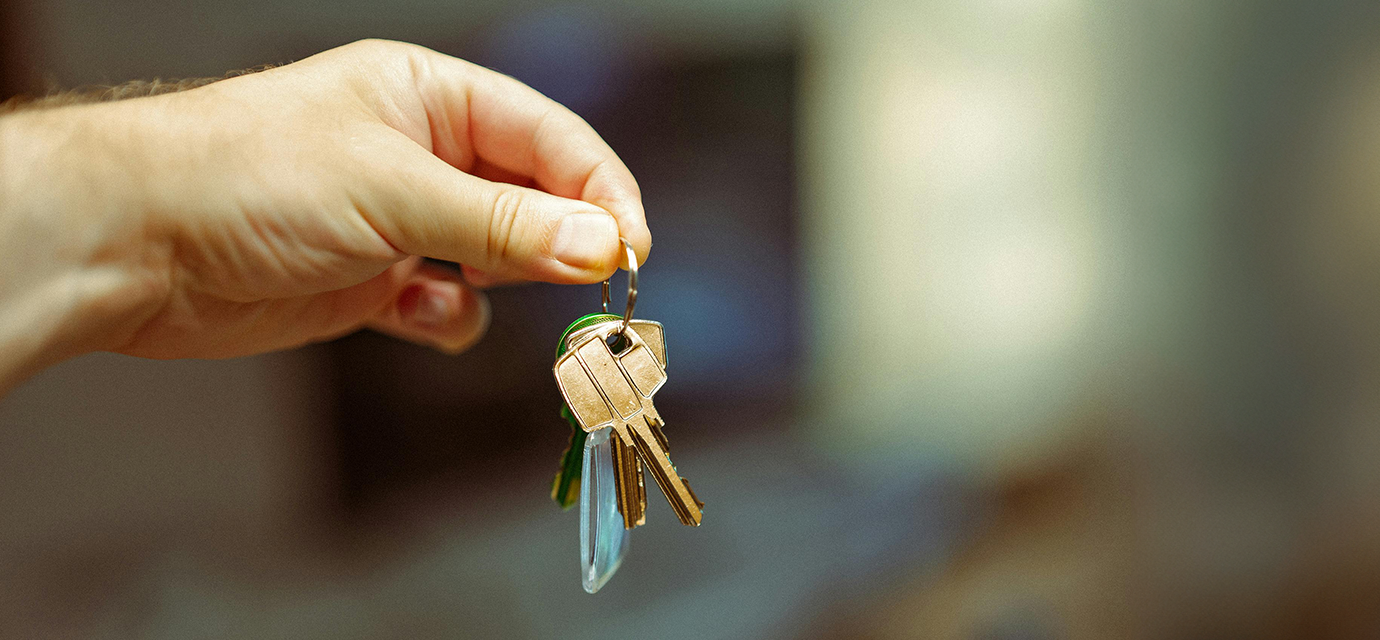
(632,285)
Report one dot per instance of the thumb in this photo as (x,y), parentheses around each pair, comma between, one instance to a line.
(432,209)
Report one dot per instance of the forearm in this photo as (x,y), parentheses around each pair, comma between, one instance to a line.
(75,274)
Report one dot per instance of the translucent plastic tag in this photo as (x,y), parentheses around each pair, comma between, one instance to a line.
(603,538)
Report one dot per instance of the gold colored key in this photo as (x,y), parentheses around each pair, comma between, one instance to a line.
(628,484)
(628,480)
(614,390)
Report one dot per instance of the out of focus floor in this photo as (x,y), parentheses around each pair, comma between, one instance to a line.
(231,526)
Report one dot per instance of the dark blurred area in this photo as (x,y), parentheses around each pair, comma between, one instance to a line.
(1009,319)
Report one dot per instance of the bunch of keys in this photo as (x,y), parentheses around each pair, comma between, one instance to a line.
(608,368)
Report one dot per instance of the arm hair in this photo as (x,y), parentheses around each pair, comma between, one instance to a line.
(112,93)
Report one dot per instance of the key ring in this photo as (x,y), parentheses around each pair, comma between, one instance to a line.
(632,286)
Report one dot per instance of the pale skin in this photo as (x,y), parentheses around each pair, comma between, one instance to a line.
(294,205)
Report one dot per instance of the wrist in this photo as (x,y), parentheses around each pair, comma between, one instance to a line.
(78,274)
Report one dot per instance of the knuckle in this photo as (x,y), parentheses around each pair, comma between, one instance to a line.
(374,45)
(379,49)
(509,207)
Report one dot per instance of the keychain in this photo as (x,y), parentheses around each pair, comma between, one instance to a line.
(608,367)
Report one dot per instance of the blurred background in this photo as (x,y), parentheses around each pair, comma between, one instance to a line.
(990,319)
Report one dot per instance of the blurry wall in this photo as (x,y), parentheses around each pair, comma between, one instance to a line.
(961,244)
(72,40)
(116,469)
(1158,213)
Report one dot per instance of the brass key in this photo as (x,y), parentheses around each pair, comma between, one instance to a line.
(565,486)
(608,390)
(628,482)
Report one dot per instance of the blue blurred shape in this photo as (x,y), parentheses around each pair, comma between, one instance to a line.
(572,53)
(729,314)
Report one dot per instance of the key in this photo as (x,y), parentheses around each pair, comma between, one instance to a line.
(628,479)
(614,390)
(636,427)
(632,502)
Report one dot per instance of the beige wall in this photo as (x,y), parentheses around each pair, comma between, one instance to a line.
(957,238)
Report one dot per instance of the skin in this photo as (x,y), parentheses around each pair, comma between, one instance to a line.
(294,205)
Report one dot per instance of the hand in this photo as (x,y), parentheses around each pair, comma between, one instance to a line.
(292,205)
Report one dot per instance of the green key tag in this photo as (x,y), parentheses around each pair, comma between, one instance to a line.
(565,488)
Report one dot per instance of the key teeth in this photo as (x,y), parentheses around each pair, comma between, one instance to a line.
(619,485)
(698,504)
(632,496)
(655,425)
(641,496)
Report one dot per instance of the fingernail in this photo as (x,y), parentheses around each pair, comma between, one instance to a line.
(428,306)
(585,240)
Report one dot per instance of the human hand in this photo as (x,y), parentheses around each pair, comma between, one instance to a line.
(293,205)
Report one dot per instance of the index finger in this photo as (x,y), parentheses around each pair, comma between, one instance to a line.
(476,115)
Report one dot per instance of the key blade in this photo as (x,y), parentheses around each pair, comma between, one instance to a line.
(660,435)
(627,478)
(637,491)
(641,490)
(692,494)
(683,502)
